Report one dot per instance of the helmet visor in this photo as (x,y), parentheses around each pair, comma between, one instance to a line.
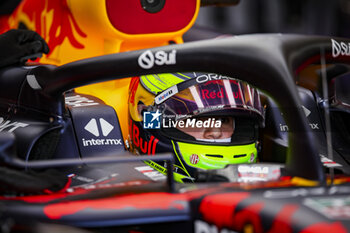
(187,100)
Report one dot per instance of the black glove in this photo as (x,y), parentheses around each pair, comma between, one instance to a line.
(17,46)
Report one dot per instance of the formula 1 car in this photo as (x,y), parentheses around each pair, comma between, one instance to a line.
(301,183)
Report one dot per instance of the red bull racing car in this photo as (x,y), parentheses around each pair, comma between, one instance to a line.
(280,164)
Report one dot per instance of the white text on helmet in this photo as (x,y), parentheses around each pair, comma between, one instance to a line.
(208,77)
(166,95)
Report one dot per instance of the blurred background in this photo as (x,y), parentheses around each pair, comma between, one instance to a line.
(317,17)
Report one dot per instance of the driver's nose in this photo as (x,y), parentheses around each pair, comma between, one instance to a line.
(213,133)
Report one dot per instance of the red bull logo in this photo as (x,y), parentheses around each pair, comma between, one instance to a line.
(207,94)
(146,147)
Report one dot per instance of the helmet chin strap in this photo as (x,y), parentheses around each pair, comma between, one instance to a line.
(215,140)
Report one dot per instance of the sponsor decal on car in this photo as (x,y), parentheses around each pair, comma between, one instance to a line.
(10,126)
(257,173)
(303,192)
(146,146)
(151,173)
(105,129)
(33,82)
(105,186)
(79,101)
(328,162)
(336,208)
(340,48)
(147,59)
(307,112)
(203,227)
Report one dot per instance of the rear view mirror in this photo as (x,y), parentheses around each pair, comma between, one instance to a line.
(339,91)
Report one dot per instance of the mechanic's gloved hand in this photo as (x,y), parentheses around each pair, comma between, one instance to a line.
(17,46)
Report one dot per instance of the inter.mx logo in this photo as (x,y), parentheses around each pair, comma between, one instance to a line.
(103,128)
(307,112)
(151,120)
